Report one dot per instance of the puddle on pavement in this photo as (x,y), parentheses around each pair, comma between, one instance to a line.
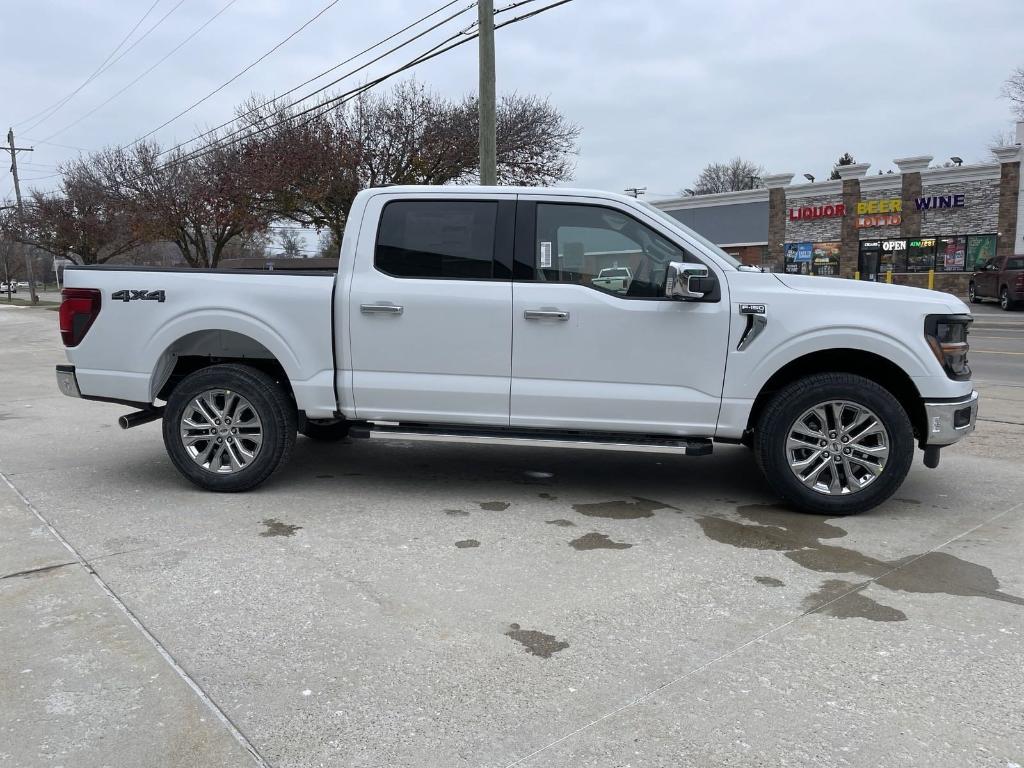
(547,496)
(562,523)
(597,541)
(456,513)
(537,643)
(769,581)
(467,543)
(495,506)
(908,501)
(853,605)
(276,528)
(621,510)
(799,537)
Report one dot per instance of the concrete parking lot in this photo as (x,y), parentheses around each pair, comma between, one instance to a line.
(407,605)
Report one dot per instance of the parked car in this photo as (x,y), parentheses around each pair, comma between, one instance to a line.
(449,320)
(615,279)
(12,287)
(1001,278)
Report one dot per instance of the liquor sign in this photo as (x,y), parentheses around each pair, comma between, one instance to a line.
(810,212)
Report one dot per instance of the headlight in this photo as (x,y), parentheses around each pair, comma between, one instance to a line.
(947,337)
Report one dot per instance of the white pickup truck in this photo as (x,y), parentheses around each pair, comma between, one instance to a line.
(471,314)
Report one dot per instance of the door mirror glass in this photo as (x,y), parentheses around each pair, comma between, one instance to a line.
(688,282)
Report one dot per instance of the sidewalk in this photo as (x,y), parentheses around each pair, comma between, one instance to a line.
(80,684)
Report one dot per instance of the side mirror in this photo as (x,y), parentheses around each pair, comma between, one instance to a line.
(688,282)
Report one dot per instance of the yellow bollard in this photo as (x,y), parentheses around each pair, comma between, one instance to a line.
(888,277)
(931,279)
(856,275)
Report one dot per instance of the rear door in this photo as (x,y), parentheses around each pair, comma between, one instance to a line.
(985,279)
(430,309)
(619,358)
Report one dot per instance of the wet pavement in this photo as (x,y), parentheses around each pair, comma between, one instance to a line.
(405,604)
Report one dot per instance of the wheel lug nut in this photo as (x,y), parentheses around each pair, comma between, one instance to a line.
(832,434)
(846,451)
(234,430)
(219,440)
(216,421)
(825,454)
(846,439)
(227,421)
(823,443)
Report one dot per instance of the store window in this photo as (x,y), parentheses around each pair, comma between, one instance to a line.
(950,254)
(980,248)
(825,259)
(920,254)
(893,256)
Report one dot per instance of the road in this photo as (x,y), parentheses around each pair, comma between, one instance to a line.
(406,605)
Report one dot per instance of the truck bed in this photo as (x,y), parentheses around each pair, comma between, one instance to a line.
(152,317)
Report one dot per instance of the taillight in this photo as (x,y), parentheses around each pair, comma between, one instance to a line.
(78,309)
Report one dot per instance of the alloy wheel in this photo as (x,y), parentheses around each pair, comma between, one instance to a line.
(221,431)
(837,447)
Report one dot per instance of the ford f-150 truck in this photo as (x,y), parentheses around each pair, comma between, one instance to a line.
(471,314)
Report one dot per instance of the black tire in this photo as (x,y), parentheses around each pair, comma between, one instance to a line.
(787,405)
(271,404)
(972,294)
(326,430)
(1004,299)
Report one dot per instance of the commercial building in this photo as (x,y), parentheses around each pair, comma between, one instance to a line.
(923,226)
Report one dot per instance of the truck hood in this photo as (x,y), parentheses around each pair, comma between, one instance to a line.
(867,290)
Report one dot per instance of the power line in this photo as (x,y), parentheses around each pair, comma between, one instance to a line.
(54,144)
(174,50)
(411,40)
(443,47)
(223,85)
(56,106)
(439,49)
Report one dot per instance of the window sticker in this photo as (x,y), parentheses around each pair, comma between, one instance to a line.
(545,255)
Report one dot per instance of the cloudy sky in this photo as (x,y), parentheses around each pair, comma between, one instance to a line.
(660,87)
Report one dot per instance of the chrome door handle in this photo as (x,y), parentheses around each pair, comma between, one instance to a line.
(380,309)
(545,314)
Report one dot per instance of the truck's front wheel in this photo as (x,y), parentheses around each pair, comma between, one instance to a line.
(228,427)
(834,443)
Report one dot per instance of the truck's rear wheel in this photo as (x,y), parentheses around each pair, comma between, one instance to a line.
(834,444)
(228,427)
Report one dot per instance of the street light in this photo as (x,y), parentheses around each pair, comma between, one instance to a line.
(809,177)
(957,160)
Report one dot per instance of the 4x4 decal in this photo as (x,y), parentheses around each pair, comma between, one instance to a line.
(137,296)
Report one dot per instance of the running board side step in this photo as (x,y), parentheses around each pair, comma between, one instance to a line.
(596,441)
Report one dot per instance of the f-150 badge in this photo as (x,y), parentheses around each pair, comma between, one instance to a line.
(752,309)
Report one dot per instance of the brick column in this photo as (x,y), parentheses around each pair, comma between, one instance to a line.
(910,168)
(1009,195)
(776,184)
(849,246)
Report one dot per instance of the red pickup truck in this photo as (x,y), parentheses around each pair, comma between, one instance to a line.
(1002,278)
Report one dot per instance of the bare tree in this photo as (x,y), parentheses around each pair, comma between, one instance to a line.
(291,244)
(311,168)
(328,246)
(1013,89)
(81,222)
(732,176)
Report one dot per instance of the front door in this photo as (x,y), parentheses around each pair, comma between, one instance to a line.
(609,352)
(429,310)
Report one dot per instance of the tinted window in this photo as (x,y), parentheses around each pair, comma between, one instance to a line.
(437,239)
(602,248)
(1017,262)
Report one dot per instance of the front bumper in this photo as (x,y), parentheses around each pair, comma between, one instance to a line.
(949,421)
(67,382)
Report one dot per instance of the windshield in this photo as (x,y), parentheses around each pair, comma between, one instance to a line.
(695,235)
(619,272)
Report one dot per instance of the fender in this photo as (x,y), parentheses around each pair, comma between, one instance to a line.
(218,320)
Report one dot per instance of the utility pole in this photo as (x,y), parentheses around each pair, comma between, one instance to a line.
(21,211)
(635,191)
(488,108)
